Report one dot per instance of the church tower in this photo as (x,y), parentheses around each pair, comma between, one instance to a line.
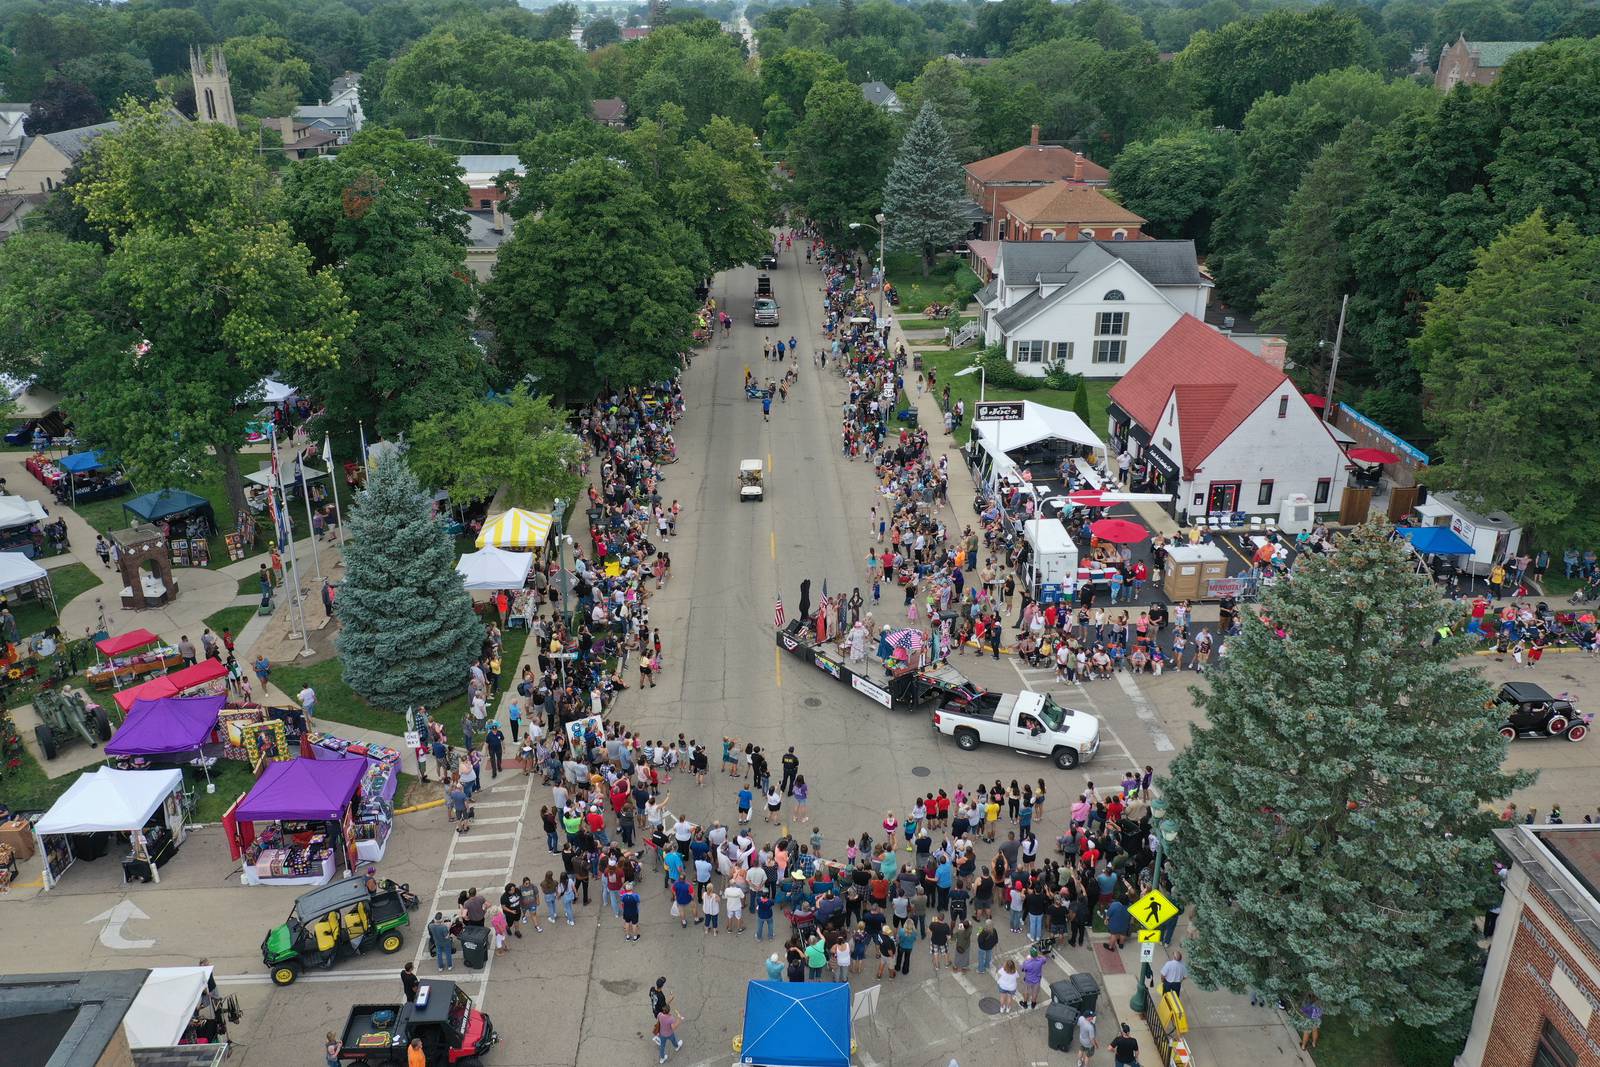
(213,99)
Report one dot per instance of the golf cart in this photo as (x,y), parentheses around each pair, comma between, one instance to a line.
(338,919)
(1528,711)
(750,480)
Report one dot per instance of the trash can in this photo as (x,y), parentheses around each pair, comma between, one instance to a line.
(475,946)
(1088,992)
(1064,992)
(1062,1020)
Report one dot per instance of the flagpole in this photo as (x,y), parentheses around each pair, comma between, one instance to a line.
(311,526)
(338,516)
(366,465)
(287,535)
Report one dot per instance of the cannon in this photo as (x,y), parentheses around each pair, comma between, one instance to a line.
(65,714)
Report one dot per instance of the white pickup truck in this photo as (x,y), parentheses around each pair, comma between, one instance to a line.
(1028,722)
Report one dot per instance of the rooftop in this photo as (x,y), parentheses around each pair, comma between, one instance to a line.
(608,109)
(879,93)
(1066,202)
(1037,163)
(1563,861)
(1498,53)
(74,143)
(65,1020)
(1160,262)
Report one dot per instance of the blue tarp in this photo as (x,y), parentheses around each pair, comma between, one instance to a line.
(1435,540)
(81,462)
(798,1024)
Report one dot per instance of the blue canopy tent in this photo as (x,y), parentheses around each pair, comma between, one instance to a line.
(80,463)
(165,503)
(1435,540)
(799,1024)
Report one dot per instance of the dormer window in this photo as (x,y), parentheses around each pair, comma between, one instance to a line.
(1115,294)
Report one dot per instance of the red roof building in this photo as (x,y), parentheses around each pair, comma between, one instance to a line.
(1223,430)
(994,182)
(1062,211)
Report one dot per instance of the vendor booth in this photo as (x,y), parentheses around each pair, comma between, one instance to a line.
(1437,547)
(1494,537)
(161,1014)
(85,477)
(493,568)
(375,800)
(186,519)
(800,1024)
(170,729)
(145,807)
(516,529)
(128,656)
(1030,448)
(26,528)
(310,807)
(206,678)
(18,572)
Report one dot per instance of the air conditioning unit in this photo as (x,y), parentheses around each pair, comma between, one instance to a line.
(1297,515)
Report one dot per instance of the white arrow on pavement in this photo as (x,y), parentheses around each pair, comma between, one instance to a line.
(115,919)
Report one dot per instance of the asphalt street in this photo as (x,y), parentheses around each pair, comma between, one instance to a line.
(578,995)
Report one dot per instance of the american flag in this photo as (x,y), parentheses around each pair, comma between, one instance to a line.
(777,614)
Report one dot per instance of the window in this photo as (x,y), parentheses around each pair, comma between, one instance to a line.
(1111,324)
(1553,1050)
(1283,407)
(1264,496)
(1119,235)
(1047,235)
(1027,351)
(1115,294)
(484,204)
(1110,351)
(1063,351)
(1087,235)
(211,106)
(1324,488)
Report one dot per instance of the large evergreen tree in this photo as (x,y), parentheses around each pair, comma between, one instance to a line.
(407,633)
(1333,813)
(924,196)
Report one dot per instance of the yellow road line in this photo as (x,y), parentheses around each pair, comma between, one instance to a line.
(777,664)
(774,536)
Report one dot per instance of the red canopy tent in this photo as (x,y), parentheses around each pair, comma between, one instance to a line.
(116,646)
(171,685)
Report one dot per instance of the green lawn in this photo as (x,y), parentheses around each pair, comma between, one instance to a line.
(336,702)
(25,787)
(230,619)
(1383,1046)
(946,363)
(935,324)
(917,292)
(68,582)
(107,515)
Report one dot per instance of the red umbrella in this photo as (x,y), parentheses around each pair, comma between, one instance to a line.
(1372,455)
(1316,401)
(1118,531)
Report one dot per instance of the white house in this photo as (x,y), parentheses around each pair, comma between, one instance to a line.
(1221,429)
(1092,307)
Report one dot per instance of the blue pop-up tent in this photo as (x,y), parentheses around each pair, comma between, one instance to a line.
(1435,540)
(81,462)
(799,1024)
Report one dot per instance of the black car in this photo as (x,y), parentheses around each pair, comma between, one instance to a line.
(769,262)
(1529,711)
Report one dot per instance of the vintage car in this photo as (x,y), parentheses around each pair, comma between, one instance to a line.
(1528,711)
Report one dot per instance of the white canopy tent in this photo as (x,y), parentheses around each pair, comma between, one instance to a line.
(275,392)
(17,569)
(17,511)
(161,1012)
(494,568)
(111,801)
(286,471)
(1038,423)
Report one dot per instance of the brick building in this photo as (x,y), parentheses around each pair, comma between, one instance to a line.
(1474,62)
(994,182)
(1539,1003)
(1062,211)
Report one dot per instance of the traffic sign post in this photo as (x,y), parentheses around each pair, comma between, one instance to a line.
(1147,953)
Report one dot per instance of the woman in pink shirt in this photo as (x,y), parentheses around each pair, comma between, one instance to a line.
(1080,810)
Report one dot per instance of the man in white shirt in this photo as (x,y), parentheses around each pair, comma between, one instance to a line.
(308,700)
(1173,972)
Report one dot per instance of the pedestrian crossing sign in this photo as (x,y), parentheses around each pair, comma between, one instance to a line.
(1153,909)
(1147,937)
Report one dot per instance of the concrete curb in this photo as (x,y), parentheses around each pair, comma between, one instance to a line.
(424,806)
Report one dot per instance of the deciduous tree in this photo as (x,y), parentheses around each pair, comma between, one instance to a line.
(840,154)
(1535,292)
(513,441)
(1332,815)
(1173,181)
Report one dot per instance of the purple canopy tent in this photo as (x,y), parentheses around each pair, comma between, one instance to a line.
(303,790)
(167,726)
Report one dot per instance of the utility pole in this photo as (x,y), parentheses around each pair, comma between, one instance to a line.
(1333,369)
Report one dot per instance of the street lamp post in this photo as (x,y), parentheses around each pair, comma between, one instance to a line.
(883,268)
(560,514)
(1166,832)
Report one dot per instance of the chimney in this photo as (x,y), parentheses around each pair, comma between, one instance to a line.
(1273,352)
(499,220)
(1034,139)
(1077,166)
